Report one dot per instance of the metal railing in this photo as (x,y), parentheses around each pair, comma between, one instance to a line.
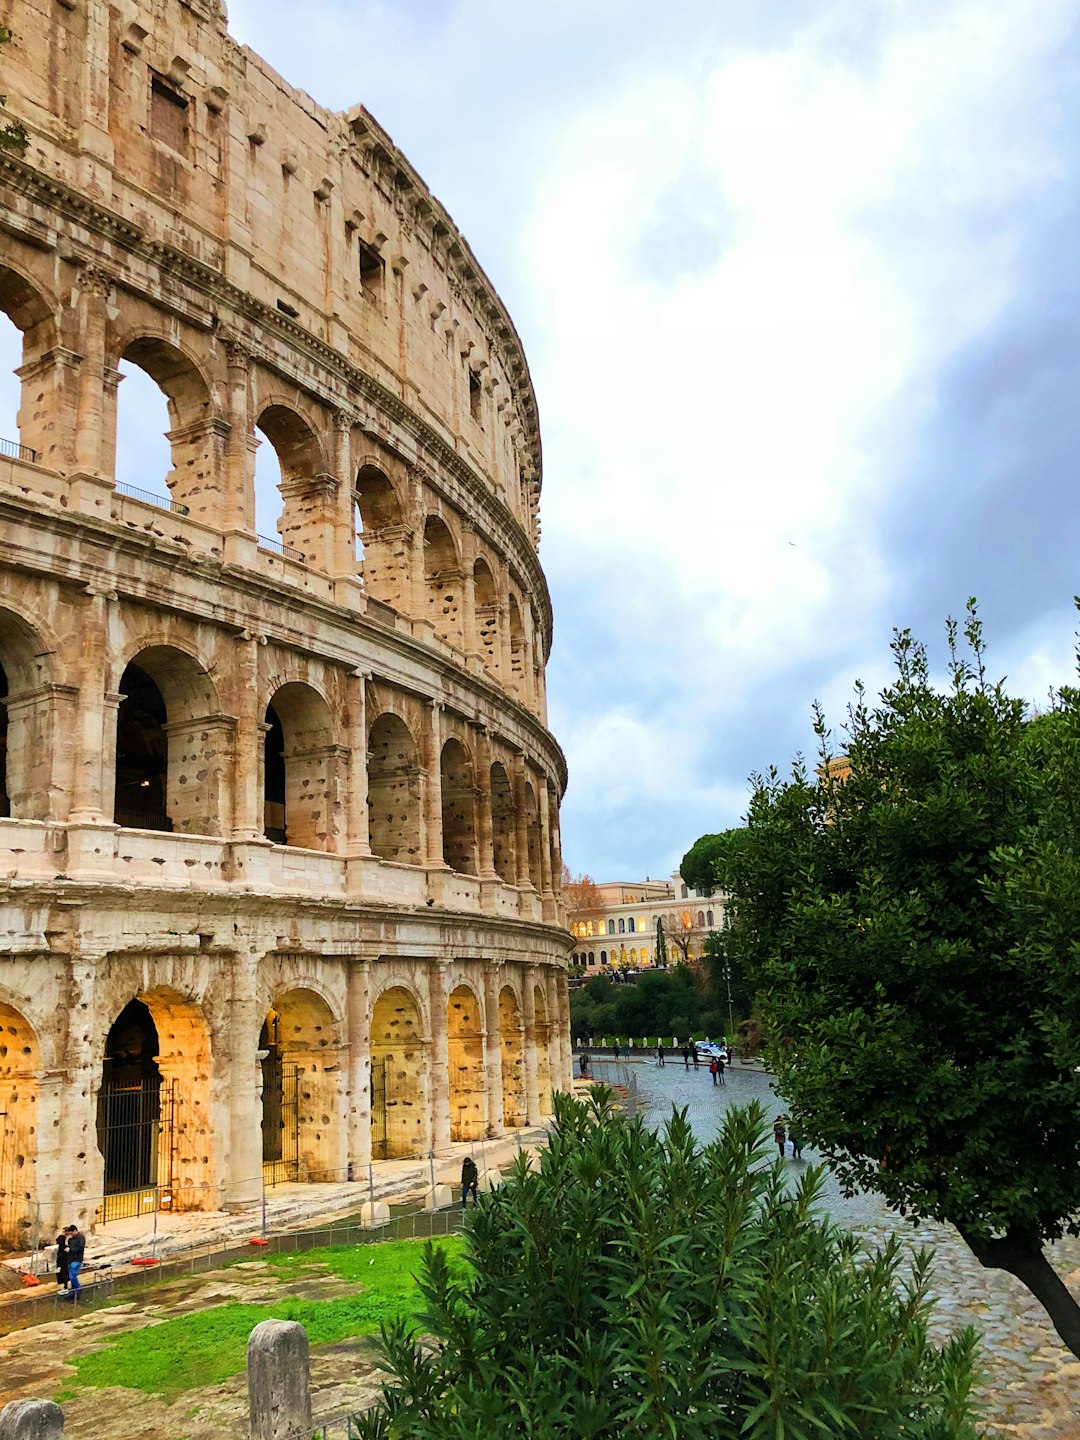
(15,451)
(288,552)
(163,502)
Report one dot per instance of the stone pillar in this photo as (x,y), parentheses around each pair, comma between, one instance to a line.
(432,743)
(484,839)
(469,640)
(493,1049)
(247,767)
(95,141)
(506,662)
(241,1158)
(521,829)
(345,508)
(359,1075)
(94,286)
(279,1380)
(91,740)
(545,846)
(239,507)
(417,581)
(566,1077)
(533,1113)
(440,1058)
(357,841)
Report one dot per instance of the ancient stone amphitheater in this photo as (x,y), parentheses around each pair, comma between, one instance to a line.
(279,856)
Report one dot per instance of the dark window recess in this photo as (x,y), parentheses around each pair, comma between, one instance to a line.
(476,398)
(287,309)
(371,271)
(168,116)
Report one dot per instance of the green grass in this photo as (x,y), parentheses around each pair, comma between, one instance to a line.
(208,1346)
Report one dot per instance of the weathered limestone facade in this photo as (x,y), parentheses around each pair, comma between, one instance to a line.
(279,855)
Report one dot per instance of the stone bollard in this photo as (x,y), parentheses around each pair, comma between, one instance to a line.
(31,1420)
(490,1181)
(372,1215)
(279,1380)
(438,1198)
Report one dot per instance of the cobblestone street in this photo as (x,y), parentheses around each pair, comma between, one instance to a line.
(1032,1382)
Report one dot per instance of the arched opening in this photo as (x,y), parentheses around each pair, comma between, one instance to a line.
(381,541)
(393,792)
(398,1111)
(543,1041)
(172,746)
(458,808)
(622,926)
(154,1122)
(517,648)
(486,609)
(465,1053)
(26,719)
(630,925)
(5,799)
(191,468)
(511,1049)
(20,1071)
(292,513)
(709,918)
(301,770)
(27,401)
(442,577)
(502,824)
(533,834)
(301,1107)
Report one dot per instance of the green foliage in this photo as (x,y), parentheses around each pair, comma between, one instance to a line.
(208,1346)
(13,136)
(914,931)
(658,1003)
(640,1286)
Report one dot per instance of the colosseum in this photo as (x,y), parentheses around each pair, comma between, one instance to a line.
(279,851)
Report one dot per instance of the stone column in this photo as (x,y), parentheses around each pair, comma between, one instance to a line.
(239,504)
(566,1079)
(279,1381)
(345,517)
(236,1055)
(469,641)
(521,829)
(484,838)
(250,730)
(440,1057)
(493,1049)
(545,846)
(417,581)
(432,743)
(94,286)
(357,841)
(533,1113)
(91,804)
(359,1075)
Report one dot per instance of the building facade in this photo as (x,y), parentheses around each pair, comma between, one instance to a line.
(622,932)
(279,848)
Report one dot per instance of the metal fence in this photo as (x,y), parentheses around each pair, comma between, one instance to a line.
(289,552)
(163,502)
(14,451)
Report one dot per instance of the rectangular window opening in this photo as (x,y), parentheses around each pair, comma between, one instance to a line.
(371,272)
(168,115)
(476,398)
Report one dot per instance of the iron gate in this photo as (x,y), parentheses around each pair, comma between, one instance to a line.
(378,1108)
(137,1139)
(281,1120)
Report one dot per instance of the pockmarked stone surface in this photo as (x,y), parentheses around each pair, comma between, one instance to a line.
(279,842)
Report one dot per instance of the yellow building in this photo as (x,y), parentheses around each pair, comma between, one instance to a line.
(622,933)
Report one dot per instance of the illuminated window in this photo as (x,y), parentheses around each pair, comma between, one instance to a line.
(641,923)
(633,957)
(687,921)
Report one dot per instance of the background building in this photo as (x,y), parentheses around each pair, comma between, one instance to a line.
(279,840)
(622,932)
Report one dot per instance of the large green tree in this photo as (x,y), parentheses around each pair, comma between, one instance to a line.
(914,933)
(637,1286)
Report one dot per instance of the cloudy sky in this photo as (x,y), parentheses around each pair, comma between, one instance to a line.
(798,287)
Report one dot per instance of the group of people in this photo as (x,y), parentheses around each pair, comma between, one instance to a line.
(70,1250)
(785,1131)
(692,1056)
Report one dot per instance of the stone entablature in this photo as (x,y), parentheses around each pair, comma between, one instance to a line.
(278,821)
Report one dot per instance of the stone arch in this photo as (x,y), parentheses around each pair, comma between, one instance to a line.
(442,580)
(25,721)
(465,1053)
(20,1078)
(302,1107)
(393,791)
(458,807)
(196,437)
(399,1126)
(503,825)
(28,399)
(534,837)
(154,1123)
(296,503)
(542,1033)
(512,1051)
(172,745)
(517,647)
(303,769)
(382,539)
(486,609)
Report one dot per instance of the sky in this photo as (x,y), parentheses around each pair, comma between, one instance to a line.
(798,287)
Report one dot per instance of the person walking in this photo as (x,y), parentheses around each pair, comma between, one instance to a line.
(779,1134)
(796,1142)
(713,1069)
(659,1054)
(583,1061)
(61,1261)
(76,1250)
(686,1057)
(720,1068)
(470,1180)
(693,1053)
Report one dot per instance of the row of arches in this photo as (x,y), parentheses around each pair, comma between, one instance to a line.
(272,462)
(163,1067)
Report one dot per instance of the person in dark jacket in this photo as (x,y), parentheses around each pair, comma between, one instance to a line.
(76,1250)
(470,1180)
(62,1261)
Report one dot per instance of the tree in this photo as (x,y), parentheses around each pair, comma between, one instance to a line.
(913,931)
(679,931)
(704,864)
(638,1286)
(660,955)
(13,136)
(584,903)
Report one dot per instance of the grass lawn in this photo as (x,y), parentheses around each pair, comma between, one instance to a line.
(208,1346)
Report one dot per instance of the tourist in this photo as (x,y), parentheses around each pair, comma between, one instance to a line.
(720,1068)
(686,1056)
(583,1061)
(659,1054)
(779,1134)
(470,1180)
(693,1053)
(76,1249)
(713,1069)
(796,1142)
(61,1261)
